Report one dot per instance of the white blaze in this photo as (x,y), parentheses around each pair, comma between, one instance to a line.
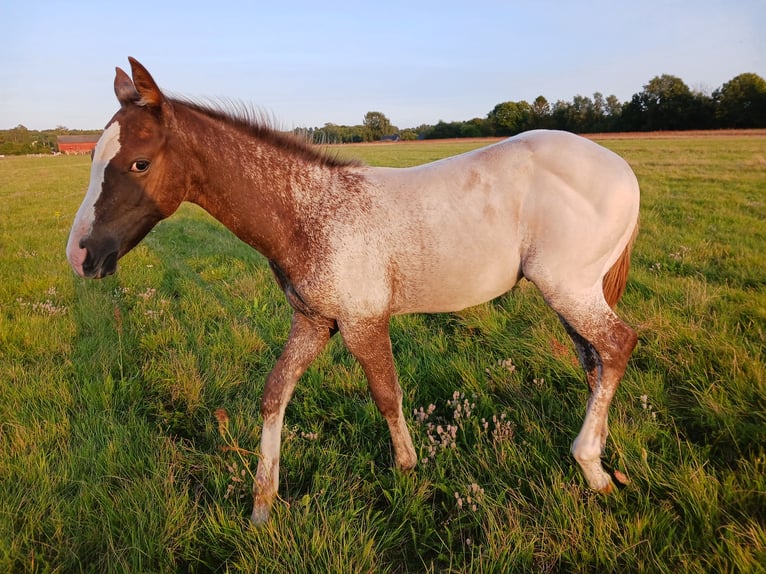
(107,147)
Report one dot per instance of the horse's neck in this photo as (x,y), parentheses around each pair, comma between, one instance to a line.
(254,188)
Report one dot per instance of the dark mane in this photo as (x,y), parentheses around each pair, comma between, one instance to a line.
(260,125)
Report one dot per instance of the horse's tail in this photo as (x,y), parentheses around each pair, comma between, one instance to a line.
(617,277)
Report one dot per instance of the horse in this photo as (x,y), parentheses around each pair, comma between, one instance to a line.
(352,245)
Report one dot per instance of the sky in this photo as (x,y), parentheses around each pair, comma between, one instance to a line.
(326,61)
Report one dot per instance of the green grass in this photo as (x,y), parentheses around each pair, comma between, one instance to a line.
(111,458)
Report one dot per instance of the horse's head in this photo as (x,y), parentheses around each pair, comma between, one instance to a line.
(130,190)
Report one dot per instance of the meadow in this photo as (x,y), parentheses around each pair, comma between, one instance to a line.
(129,407)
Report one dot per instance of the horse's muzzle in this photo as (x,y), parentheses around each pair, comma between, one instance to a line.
(98,266)
(94,257)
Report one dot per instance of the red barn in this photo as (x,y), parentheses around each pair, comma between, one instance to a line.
(76,145)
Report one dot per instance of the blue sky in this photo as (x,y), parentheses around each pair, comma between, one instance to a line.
(308,63)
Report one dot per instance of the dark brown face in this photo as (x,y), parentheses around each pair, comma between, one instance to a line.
(129,190)
(119,208)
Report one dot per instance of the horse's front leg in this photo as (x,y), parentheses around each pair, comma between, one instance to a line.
(307,338)
(370,343)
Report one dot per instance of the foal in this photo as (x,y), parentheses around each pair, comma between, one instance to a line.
(352,245)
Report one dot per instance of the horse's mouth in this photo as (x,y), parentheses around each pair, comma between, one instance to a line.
(99,267)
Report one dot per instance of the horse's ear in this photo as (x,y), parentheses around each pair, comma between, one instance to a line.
(124,89)
(148,91)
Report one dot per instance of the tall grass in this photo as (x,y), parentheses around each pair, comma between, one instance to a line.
(112,460)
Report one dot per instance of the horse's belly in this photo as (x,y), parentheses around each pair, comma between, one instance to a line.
(446,298)
(460,280)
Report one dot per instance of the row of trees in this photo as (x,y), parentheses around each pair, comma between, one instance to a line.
(665,103)
(375,127)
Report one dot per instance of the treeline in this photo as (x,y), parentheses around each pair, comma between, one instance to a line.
(23,141)
(665,103)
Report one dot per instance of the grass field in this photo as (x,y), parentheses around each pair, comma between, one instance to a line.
(112,459)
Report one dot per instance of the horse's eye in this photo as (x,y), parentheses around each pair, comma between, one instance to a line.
(139,166)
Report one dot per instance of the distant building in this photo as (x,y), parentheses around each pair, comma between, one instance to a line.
(77,145)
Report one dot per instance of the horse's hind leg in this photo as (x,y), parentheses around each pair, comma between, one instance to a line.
(604,344)
(370,343)
(307,338)
(586,353)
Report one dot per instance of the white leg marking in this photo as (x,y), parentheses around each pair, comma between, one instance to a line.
(267,475)
(589,444)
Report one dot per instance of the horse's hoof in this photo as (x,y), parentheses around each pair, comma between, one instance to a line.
(607,489)
(260,515)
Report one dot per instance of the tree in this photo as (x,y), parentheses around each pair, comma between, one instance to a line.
(541,113)
(377,125)
(613,106)
(632,116)
(701,113)
(443,130)
(741,102)
(476,128)
(612,113)
(409,134)
(510,118)
(561,113)
(665,103)
(581,113)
